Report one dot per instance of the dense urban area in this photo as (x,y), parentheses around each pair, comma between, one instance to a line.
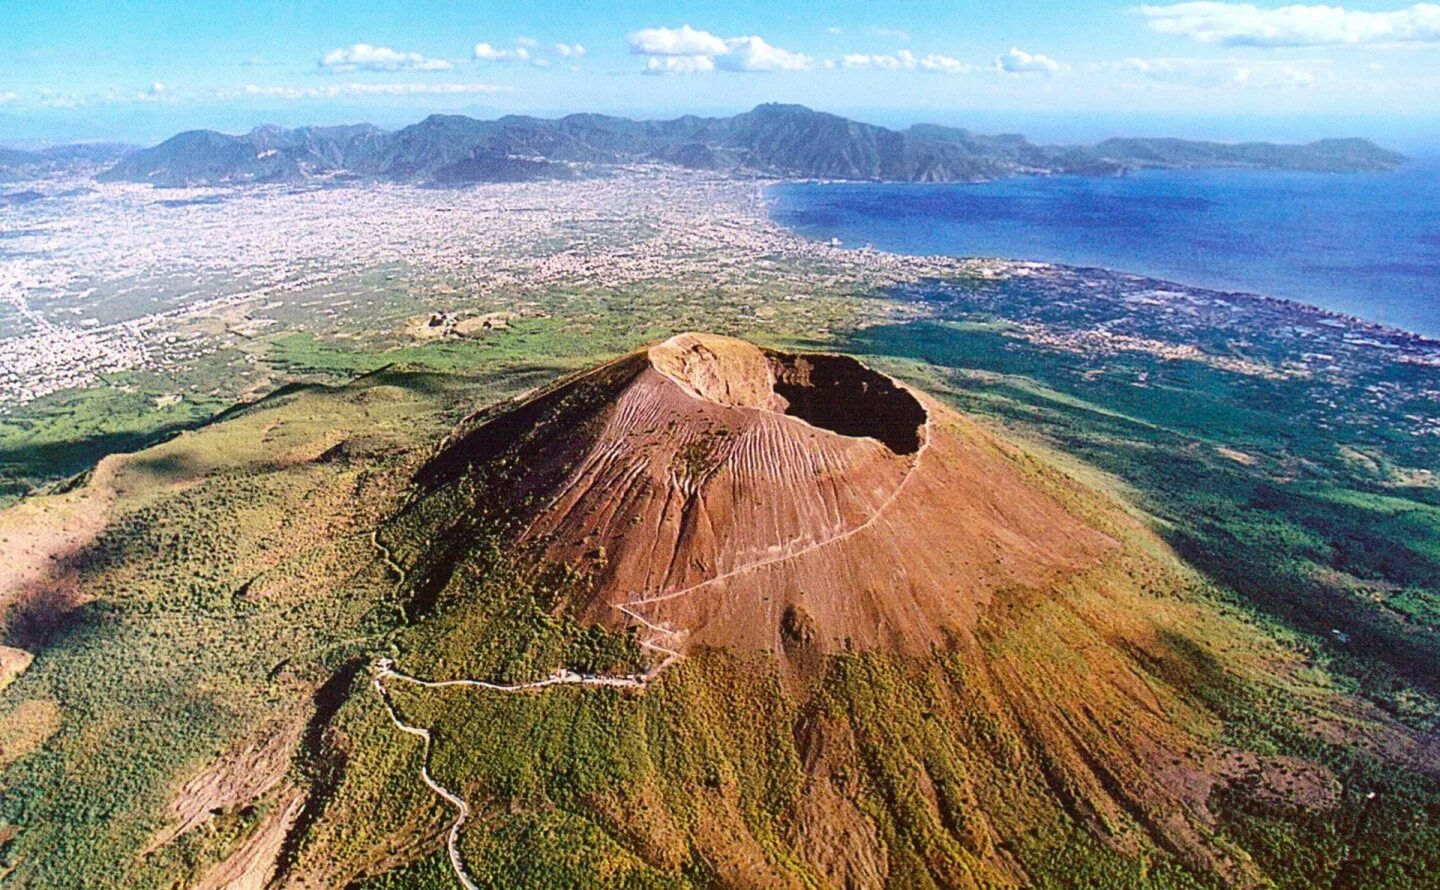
(101,279)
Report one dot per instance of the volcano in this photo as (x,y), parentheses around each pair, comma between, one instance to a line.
(885,645)
(739,497)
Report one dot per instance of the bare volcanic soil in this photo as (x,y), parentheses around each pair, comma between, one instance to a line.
(742,497)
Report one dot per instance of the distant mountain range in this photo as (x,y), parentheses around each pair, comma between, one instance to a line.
(16,165)
(782,141)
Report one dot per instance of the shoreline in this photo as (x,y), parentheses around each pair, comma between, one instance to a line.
(1288,304)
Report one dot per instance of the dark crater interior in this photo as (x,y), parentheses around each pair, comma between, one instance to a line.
(837,393)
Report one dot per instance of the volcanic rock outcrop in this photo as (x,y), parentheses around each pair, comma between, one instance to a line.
(742,497)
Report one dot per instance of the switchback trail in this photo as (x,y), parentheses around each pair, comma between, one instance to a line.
(785,557)
(662,642)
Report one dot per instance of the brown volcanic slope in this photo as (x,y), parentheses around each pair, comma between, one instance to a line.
(729,493)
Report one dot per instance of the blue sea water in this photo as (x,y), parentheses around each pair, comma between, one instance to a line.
(1366,244)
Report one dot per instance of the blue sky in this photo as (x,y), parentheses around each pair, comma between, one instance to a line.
(1088,68)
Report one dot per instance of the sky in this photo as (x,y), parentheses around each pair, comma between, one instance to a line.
(1082,70)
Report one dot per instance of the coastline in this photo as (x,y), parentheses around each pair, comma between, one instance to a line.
(1340,372)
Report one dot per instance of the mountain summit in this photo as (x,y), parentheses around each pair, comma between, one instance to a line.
(750,498)
(705,615)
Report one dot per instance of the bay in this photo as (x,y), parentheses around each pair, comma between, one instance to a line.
(1365,244)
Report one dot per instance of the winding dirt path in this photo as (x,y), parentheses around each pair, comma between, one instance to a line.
(785,557)
(462,809)
(384,669)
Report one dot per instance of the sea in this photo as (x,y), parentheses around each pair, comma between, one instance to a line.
(1365,244)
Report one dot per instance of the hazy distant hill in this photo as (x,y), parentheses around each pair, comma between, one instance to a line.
(18,165)
(1323,155)
(771,140)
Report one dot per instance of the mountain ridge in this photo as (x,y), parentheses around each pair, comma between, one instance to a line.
(18,165)
(770,141)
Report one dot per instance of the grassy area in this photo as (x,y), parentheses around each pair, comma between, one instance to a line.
(66,434)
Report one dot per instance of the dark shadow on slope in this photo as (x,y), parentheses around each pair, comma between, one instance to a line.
(37,625)
(321,760)
(67,464)
(508,427)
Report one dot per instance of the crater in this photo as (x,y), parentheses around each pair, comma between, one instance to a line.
(831,392)
(837,393)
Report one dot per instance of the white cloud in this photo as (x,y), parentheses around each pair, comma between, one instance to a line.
(487,53)
(906,61)
(527,49)
(368,89)
(894,33)
(155,92)
(1017,61)
(1243,24)
(1295,76)
(754,54)
(53,99)
(256,62)
(884,61)
(944,64)
(682,41)
(679,65)
(698,52)
(1210,73)
(365,57)
(834,30)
